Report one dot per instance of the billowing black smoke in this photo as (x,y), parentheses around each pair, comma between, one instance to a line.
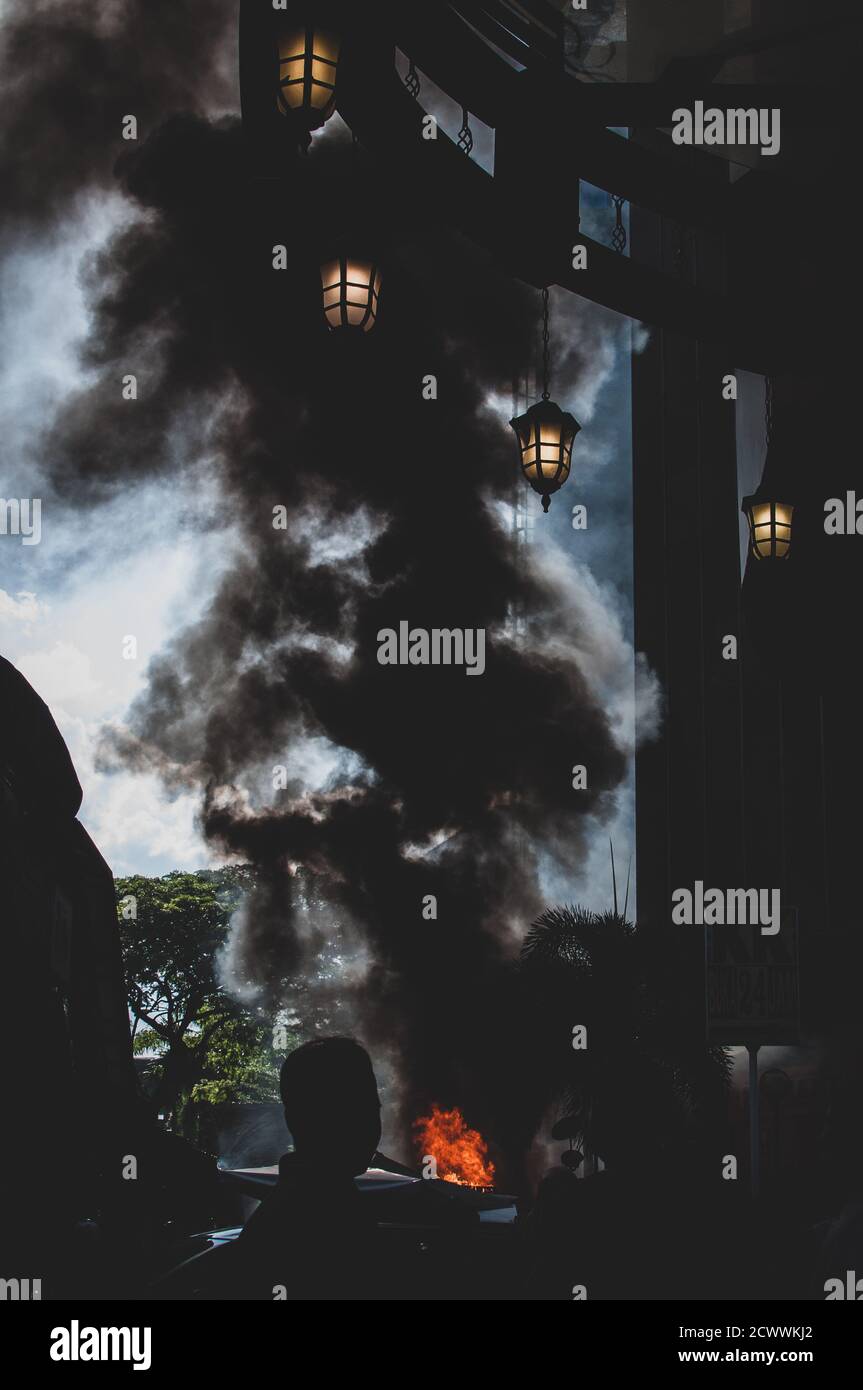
(73,69)
(431,782)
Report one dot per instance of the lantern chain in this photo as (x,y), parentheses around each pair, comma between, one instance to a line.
(768,409)
(545,341)
(412,81)
(681,251)
(618,236)
(465,135)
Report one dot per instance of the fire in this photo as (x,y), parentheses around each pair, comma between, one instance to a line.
(461,1153)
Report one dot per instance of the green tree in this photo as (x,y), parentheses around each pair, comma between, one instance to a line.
(209,1049)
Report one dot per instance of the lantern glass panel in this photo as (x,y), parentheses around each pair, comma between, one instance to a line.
(308,60)
(770,524)
(351,289)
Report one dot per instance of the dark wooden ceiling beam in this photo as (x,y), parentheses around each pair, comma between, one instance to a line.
(434,180)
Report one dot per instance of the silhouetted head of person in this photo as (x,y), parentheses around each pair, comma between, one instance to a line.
(331,1104)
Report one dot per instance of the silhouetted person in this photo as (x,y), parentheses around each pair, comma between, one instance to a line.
(312,1237)
(554,1237)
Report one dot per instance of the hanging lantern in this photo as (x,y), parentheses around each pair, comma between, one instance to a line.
(308,64)
(351,287)
(546,435)
(769,525)
(769,520)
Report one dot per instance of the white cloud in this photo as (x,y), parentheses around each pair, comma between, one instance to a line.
(130,567)
(582,625)
(136,826)
(23,607)
(61,674)
(44,320)
(143,564)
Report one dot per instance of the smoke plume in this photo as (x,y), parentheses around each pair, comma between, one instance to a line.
(402,782)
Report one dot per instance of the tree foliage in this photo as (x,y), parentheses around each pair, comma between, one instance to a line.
(209,1050)
(647,1077)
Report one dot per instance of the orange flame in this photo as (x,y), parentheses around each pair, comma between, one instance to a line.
(461,1153)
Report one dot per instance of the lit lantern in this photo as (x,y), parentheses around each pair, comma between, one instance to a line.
(351,287)
(545,433)
(308,63)
(545,436)
(769,525)
(769,521)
